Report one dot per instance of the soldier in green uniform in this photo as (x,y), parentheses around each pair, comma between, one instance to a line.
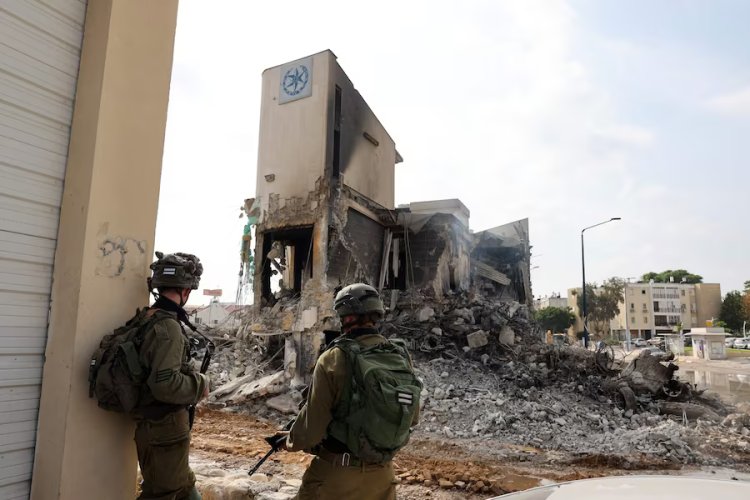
(162,435)
(322,426)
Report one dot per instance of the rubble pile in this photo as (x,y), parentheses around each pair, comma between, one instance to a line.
(460,323)
(488,375)
(463,400)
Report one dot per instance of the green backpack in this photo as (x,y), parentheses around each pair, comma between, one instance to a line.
(115,373)
(374,416)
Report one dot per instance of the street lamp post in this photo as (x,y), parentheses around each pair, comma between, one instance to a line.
(584,312)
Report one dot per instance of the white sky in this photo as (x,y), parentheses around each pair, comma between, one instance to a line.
(566,112)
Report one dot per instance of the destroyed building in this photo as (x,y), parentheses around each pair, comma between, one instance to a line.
(324,216)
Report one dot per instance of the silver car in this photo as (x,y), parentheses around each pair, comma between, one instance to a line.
(742,343)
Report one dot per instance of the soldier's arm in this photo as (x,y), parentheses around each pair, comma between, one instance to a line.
(166,380)
(311,424)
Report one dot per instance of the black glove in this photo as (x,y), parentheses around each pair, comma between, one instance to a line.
(277,441)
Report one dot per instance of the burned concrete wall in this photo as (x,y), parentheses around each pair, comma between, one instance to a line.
(355,250)
(437,249)
(363,153)
(501,260)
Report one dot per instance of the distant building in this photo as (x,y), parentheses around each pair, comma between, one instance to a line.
(650,309)
(552,301)
(215,314)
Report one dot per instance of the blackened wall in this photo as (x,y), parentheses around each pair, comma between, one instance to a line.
(355,253)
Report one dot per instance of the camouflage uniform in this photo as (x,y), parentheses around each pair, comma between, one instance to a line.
(162,435)
(327,478)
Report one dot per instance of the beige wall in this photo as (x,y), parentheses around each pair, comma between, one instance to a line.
(701,302)
(296,139)
(292,144)
(105,241)
(708,302)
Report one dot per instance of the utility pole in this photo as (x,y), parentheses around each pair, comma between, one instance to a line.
(584,312)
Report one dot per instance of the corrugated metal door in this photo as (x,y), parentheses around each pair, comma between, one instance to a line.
(40,44)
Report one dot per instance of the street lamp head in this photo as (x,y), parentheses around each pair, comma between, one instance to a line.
(615,218)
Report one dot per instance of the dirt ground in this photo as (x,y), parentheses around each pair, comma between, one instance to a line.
(429,467)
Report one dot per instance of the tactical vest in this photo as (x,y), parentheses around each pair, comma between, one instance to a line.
(374,415)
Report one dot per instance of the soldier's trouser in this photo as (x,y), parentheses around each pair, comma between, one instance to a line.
(163,448)
(322,480)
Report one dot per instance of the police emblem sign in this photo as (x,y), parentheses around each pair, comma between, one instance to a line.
(296,80)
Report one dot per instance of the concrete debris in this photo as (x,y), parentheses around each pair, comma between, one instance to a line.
(285,403)
(477,339)
(425,314)
(215,483)
(506,336)
(270,384)
(487,374)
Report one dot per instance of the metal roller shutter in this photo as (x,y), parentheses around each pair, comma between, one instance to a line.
(40,44)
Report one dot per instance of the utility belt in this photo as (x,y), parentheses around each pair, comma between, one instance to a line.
(158,411)
(345,459)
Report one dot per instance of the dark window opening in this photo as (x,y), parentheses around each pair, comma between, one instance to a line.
(287,263)
(337,134)
(656,307)
(396,277)
(452,277)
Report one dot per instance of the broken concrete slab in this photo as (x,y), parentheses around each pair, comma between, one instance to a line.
(270,384)
(689,410)
(513,309)
(231,386)
(284,403)
(425,314)
(477,339)
(507,336)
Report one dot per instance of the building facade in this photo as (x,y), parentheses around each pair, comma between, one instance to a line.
(651,309)
(552,301)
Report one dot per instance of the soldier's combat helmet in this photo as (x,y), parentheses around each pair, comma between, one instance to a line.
(175,270)
(358,299)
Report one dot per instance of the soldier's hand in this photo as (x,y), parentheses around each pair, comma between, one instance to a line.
(278,441)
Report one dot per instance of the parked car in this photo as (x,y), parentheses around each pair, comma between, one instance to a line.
(656,342)
(729,341)
(658,353)
(640,343)
(637,487)
(742,343)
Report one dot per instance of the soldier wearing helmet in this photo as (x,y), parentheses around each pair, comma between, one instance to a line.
(336,472)
(162,435)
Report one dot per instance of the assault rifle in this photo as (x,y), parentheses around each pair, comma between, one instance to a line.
(278,440)
(210,348)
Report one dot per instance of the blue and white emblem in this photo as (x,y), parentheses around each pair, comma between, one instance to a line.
(296,80)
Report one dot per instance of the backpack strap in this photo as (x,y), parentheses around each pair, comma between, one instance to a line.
(351,349)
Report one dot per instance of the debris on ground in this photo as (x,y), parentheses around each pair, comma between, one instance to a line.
(490,380)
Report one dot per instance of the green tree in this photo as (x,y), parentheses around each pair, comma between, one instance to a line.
(602,303)
(557,319)
(747,287)
(677,275)
(733,311)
